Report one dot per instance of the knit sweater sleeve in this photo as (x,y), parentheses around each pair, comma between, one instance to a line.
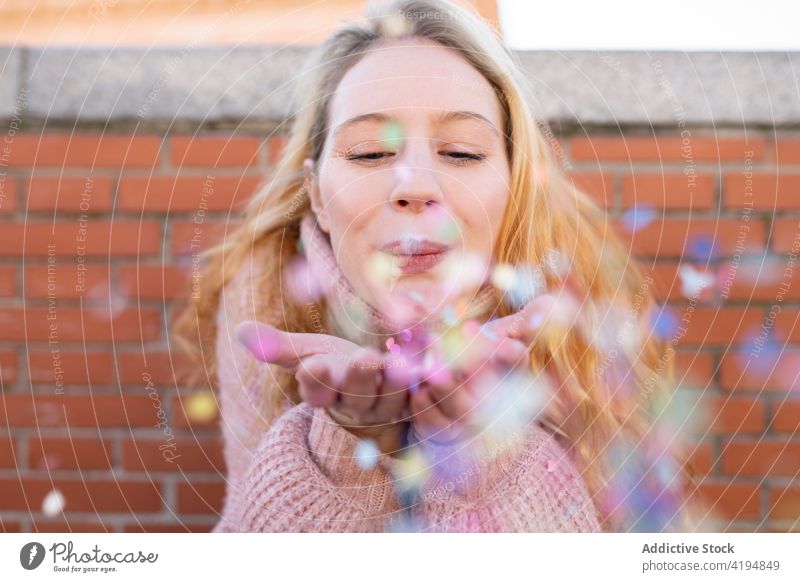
(528,485)
(242,383)
(306,478)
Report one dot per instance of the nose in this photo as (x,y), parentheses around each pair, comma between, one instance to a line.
(416,188)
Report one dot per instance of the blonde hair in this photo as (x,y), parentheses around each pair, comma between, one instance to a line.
(546,212)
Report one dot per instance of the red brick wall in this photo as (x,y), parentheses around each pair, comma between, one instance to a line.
(81,400)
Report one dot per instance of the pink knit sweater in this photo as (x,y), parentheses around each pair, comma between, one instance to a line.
(303,473)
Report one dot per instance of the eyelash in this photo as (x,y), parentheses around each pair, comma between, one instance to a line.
(460,161)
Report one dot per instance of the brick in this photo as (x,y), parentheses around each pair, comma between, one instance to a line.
(8,280)
(160,282)
(733,415)
(787,151)
(722,326)
(110,494)
(598,185)
(702,458)
(9,526)
(666,148)
(694,369)
(169,527)
(9,193)
(276,144)
(69,453)
(786,416)
(685,238)
(784,502)
(201,497)
(176,455)
(8,451)
(766,279)
(74,324)
(70,525)
(730,500)
(785,235)
(87,194)
(99,410)
(185,194)
(96,238)
(162,366)
(8,368)
(776,458)
(214,151)
(765,191)
(668,283)
(787,327)
(189,237)
(66,280)
(668,191)
(85,150)
(86,367)
(748,370)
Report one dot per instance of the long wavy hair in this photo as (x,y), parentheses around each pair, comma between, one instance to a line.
(546,213)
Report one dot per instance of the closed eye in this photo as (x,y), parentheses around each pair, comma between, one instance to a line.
(459,158)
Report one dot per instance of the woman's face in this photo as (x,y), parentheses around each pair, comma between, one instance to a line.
(413,181)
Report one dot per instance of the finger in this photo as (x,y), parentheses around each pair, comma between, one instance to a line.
(362,380)
(563,304)
(429,421)
(511,353)
(455,401)
(392,402)
(318,381)
(285,349)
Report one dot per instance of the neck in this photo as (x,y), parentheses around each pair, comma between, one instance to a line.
(353,318)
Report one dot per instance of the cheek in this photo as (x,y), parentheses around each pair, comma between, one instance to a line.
(350,197)
(483,214)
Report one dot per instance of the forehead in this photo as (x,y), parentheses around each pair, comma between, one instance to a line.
(412,79)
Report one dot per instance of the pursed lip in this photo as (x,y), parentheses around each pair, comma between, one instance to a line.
(414,255)
(410,247)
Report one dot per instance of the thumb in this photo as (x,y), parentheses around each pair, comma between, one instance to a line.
(269,344)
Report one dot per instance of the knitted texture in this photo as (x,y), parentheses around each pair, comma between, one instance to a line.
(303,475)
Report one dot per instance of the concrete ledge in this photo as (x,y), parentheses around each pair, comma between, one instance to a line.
(10,74)
(252,85)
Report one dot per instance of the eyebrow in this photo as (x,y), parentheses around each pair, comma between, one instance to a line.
(439,118)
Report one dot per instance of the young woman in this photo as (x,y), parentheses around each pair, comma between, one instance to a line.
(421,323)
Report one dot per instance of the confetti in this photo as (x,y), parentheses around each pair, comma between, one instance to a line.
(392,134)
(53,504)
(520,283)
(702,248)
(693,282)
(638,217)
(411,471)
(664,323)
(201,407)
(367,453)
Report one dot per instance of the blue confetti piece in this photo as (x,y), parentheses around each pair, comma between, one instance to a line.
(702,247)
(664,323)
(638,217)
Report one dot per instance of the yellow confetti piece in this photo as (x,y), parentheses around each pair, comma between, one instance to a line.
(201,407)
(411,471)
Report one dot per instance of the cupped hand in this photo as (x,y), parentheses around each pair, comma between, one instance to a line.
(451,404)
(363,390)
